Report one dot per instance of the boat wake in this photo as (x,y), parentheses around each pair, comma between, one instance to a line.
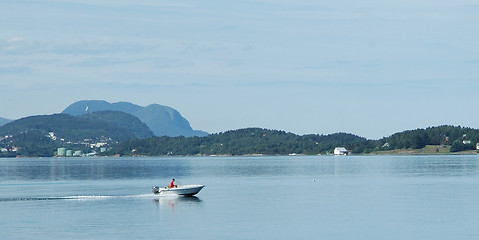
(79,197)
(16,199)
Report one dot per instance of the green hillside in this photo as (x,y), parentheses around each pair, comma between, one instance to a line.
(442,135)
(241,142)
(67,127)
(433,140)
(42,135)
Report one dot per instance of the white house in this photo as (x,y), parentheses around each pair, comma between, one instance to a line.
(477,146)
(340,151)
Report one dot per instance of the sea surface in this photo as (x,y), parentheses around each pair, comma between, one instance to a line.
(289,197)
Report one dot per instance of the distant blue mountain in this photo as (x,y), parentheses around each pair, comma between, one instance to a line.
(122,120)
(4,121)
(162,120)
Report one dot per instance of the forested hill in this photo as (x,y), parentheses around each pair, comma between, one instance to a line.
(241,142)
(459,138)
(273,142)
(68,127)
(42,135)
(31,137)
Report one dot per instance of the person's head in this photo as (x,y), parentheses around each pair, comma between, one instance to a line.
(173,179)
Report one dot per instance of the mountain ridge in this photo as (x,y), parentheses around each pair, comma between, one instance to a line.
(4,121)
(123,120)
(162,120)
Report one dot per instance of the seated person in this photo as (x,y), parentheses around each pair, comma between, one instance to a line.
(172,184)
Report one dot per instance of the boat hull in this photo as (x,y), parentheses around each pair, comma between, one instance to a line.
(183,190)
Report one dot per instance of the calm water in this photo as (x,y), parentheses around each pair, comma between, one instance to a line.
(301,197)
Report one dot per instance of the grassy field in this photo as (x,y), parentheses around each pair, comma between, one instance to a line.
(428,150)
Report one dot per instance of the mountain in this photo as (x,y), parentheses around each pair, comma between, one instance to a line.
(162,120)
(122,120)
(4,121)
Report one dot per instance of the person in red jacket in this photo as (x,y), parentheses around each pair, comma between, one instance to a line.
(172,184)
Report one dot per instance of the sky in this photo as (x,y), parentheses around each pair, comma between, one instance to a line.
(370,68)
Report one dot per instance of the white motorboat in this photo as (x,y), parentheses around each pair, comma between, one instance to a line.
(183,190)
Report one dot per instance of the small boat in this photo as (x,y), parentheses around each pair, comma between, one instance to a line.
(183,190)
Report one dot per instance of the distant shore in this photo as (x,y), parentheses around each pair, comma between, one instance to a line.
(428,150)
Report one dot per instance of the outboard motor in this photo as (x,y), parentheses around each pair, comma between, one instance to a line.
(156,190)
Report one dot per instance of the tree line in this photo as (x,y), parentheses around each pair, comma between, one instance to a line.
(274,142)
(459,138)
(34,142)
(239,142)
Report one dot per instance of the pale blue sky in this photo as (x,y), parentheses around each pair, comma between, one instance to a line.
(370,68)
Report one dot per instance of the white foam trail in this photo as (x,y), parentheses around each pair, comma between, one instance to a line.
(87,197)
(103,197)
(78,197)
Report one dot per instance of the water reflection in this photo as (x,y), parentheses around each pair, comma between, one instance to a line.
(163,167)
(435,166)
(172,201)
(89,168)
(176,202)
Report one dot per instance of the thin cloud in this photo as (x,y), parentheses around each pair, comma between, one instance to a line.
(15,40)
(92,46)
(15,70)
